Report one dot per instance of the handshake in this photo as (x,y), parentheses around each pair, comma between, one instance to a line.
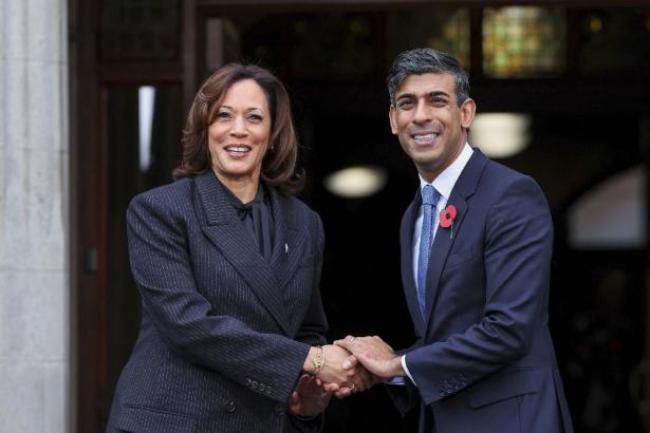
(348,366)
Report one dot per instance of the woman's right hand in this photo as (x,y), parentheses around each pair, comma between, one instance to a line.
(338,371)
(333,371)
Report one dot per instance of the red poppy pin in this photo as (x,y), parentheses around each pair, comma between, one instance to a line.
(447,218)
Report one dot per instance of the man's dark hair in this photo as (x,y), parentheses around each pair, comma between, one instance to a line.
(420,61)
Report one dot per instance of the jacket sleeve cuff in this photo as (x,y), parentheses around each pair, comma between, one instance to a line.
(406,369)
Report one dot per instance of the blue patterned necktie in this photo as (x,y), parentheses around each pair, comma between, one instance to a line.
(430,198)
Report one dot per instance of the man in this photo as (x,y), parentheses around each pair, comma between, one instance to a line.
(476,247)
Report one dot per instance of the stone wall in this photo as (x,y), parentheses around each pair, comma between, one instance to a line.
(34,269)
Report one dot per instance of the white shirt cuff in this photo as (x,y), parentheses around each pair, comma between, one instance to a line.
(406,369)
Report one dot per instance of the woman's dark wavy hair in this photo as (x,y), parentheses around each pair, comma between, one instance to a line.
(279,164)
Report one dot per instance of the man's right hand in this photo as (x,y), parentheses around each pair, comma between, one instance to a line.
(374,354)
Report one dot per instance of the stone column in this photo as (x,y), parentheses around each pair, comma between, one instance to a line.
(35,304)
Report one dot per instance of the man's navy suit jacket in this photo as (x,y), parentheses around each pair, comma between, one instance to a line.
(224,333)
(484,360)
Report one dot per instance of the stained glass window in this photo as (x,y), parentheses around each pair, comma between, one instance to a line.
(523,41)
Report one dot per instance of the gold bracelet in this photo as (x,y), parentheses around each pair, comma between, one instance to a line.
(318,360)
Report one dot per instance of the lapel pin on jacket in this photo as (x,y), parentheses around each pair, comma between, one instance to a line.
(447,218)
(286,248)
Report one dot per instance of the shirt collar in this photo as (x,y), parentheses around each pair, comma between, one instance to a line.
(260,197)
(446,180)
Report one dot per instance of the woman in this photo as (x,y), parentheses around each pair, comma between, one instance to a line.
(228,266)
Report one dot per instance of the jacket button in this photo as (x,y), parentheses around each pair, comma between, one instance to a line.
(230,406)
(254,385)
(279,409)
(261,387)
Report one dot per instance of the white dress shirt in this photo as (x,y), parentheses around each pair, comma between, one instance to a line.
(444,184)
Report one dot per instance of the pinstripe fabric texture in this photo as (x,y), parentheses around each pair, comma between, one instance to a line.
(224,333)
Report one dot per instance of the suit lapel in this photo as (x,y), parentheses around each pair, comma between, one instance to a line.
(225,230)
(463,189)
(408,279)
(289,239)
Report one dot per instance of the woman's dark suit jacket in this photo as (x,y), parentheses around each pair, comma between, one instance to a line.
(224,333)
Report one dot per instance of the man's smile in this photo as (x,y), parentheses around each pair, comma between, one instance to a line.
(424,138)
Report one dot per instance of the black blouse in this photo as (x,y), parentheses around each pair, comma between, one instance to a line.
(257,217)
